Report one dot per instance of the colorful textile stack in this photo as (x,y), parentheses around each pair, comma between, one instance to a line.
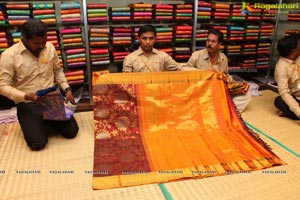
(97,12)
(17,14)
(16,36)
(44,12)
(70,12)
(235,13)
(99,36)
(183,12)
(119,13)
(61,62)
(181,54)
(53,37)
(71,37)
(118,55)
(163,11)
(251,32)
(169,51)
(263,48)
(249,49)
(164,34)
(254,14)
(235,33)
(266,31)
(248,63)
(99,56)
(75,77)
(221,11)
(4,43)
(141,11)
(233,49)
(262,62)
(269,14)
(201,35)
(198,135)
(204,10)
(2,16)
(183,33)
(76,58)
(290,32)
(294,15)
(121,35)
(135,38)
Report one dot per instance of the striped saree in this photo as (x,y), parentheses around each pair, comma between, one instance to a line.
(165,126)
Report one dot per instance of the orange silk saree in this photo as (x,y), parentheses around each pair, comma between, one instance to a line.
(165,126)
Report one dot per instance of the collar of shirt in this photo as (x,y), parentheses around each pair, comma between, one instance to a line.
(289,61)
(22,47)
(206,56)
(140,51)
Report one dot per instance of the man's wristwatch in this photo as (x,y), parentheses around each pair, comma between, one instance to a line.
(67,90)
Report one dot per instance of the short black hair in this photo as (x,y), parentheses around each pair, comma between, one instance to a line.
(34,27)
(146,28)
(287,44)
(218,33)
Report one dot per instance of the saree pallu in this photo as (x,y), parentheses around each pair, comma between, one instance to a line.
(165,126)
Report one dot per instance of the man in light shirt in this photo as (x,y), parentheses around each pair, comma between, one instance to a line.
(26,67)
(287,77)
(148,59)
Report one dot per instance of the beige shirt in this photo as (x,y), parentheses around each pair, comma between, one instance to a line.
(157,61)
(200,60)
(21,72)
(286,73)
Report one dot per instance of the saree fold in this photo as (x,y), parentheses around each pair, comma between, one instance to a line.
(166,126)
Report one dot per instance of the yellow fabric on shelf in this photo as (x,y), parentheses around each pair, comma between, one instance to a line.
(165,126)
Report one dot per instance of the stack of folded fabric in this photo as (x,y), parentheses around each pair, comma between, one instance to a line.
(254,14)
(183,33)
(164,35)
(235,13)
(141,11)
(44,12)
(99,56)
(233,49)
(201,35)
(248,63)
(235,33)
(221,11)
(290,32)
(4,43)
(163,11)
(53,37)
(222,28)
(99,36)
(75,77)
(269,14)
(251,32)
(61,62)
(249,49)
(121,35)
(263,48)
(16,36)
(119,55)
(97,12)
(294,15)
(70,12)
(119,13)
(183,12)
(204,10)
(71,37)
(2,17)
(266,31)
(262,62)
(17,14)
(76,58)
(169,51)
(181,54)
(135,38)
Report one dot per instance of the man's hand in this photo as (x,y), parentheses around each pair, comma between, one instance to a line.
(31,97)
(70,97)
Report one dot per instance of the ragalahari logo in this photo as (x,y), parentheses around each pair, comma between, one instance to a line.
(245,8)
